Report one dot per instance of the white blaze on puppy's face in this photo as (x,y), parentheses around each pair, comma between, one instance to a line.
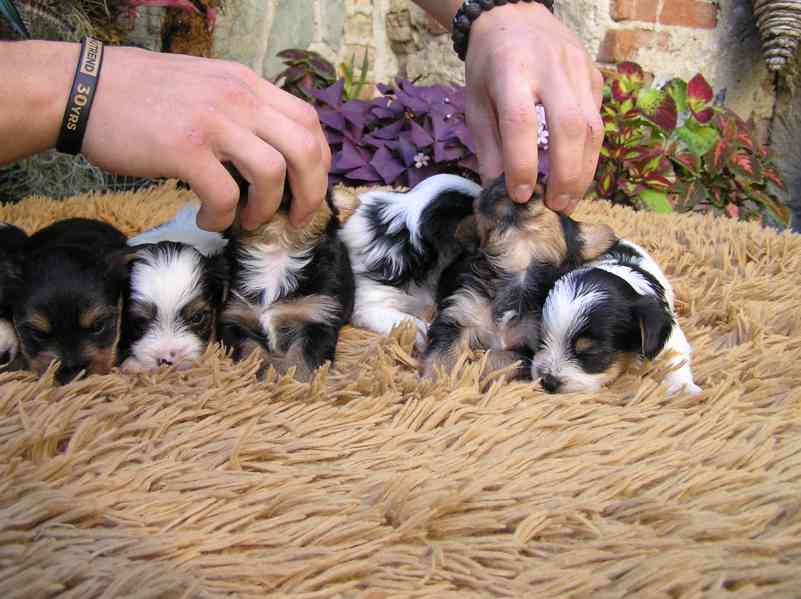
(565,314)
(9,344)
(163,284)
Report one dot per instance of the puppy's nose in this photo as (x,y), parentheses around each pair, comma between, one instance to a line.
(167,359)
(67,372)
(550,383)
(5,358)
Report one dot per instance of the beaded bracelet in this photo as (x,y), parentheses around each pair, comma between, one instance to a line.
(470,11)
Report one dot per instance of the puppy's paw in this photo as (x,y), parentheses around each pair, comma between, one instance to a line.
(677,386)
(421,337)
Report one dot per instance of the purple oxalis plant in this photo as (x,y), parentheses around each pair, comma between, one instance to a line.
(405,135)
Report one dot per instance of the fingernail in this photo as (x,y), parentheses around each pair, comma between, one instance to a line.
(560,202)
(522,193)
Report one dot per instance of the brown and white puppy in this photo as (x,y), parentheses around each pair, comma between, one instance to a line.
(69,298)
(12,246)
(491,298)
(291,291)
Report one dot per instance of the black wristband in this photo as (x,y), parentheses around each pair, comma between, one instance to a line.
(470,11)
(82,94)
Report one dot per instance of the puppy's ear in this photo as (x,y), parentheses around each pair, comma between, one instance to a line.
(655,323)
(118,263)
(596,240)
(467,233)
(10,277)
(219,275)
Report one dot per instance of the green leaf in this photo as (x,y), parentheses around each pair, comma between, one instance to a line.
(699,138)
(10,12)
(677,88)
(656,201)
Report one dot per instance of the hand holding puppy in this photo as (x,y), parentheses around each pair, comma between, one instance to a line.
(520,55)
(166,115)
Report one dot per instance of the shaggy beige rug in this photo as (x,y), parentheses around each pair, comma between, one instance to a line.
(369,483)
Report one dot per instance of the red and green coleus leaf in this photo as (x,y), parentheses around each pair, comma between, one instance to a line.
(627,187)
(699,92)
(658,182)
(659,107)
(606,182)
(771,173)
(656,200)
(715,158)
(677,88)
(744,163)
(631,71)
(699,97)
(688,160)
(776,207)
(619,91)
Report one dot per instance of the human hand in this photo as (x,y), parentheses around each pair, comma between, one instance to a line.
(519,55)
(168,115)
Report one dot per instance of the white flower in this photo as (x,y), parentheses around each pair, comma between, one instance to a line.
(421,159)
(542,129)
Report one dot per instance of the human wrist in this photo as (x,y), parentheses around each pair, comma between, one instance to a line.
(38,75)
(474,16)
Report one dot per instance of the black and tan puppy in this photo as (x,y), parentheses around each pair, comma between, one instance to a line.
(491,298)
(291,290)
(69,298)
(12,246)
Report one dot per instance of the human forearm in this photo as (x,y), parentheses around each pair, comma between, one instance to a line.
(36,80)
(441,10)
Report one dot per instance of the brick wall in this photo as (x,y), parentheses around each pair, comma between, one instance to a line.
(641,24)
(669,38)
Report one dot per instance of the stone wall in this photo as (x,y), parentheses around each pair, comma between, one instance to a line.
(667,37)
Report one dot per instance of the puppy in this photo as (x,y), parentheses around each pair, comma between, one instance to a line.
(399,245)
(600,318)
(292,290)
(68,301)
(491,297)
(175,296)
(12,244)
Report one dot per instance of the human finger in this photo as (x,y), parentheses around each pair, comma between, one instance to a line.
(481,120)
(518,123)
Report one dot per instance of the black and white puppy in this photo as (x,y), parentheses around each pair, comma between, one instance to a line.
(602,317)
(176,294)
(12,252)
(491,298)
(399,245)
(69,299)
(178,284)
(291,290)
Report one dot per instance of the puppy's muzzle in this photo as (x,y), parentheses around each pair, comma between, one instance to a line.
(550,383)
(68,371)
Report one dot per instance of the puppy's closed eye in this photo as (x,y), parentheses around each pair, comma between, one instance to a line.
(97,320)
(586,345)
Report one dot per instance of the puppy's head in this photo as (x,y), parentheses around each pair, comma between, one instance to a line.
(176,294)
(68,308)
(12,243)
(594,325)
(515,235)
